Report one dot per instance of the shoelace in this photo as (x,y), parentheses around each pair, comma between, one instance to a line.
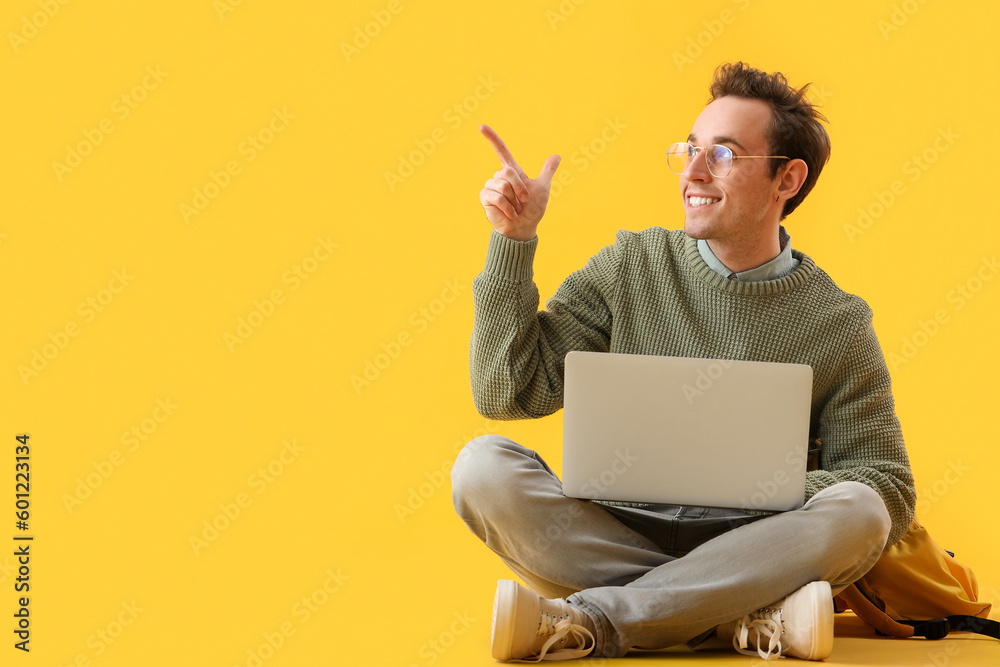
(560,628)
(765,623)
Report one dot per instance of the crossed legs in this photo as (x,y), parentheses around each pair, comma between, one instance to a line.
(637,594)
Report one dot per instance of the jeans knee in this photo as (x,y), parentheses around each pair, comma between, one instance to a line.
(853,532)
(870,522)
(472,461)
(477,467)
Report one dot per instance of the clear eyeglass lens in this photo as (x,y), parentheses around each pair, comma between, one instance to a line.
(719,158)
(678,156)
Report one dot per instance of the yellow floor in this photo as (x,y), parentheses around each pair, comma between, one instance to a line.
(855,645)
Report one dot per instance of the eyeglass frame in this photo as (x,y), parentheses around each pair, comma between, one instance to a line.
(698,149)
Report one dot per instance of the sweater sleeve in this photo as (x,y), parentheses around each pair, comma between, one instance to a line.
(861,435)
(517,352)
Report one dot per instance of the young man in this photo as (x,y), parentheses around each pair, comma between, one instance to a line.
(608,577)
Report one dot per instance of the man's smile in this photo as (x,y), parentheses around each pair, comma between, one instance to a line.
(698,202)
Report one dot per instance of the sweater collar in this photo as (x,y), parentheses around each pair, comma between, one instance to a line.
(797,277)
(783,264)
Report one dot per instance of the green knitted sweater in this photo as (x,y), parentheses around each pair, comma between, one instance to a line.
(652,293)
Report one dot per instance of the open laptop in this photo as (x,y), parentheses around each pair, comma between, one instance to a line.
(682,431)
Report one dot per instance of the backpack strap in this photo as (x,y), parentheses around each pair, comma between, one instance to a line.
(866,609)
(853,597)
(938,628)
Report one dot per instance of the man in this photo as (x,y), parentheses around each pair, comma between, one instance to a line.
(609,577)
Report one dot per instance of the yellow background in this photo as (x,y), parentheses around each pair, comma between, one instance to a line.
(408,587)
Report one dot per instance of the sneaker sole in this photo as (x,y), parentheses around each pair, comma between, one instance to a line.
(821,596)
(504,613)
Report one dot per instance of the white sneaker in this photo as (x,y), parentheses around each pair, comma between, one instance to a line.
(800,626)
(530,628)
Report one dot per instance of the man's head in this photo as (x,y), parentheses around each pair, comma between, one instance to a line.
(751,114)
(794,129)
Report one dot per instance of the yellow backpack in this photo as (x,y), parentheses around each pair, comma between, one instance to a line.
(918,589)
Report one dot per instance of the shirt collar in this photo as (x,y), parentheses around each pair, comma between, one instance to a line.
(780,266)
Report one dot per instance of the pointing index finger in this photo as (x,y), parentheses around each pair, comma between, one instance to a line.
(506,159)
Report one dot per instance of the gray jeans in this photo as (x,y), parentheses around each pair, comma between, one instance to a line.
(653,578)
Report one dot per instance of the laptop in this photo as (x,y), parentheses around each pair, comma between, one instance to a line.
(683,431)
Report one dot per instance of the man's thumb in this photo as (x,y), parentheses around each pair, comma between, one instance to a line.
(549,169)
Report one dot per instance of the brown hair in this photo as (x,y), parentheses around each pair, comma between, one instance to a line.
(794,130)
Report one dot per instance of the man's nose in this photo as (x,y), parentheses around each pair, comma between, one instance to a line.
(697,167)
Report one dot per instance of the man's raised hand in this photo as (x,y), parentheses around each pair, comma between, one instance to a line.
(513,202)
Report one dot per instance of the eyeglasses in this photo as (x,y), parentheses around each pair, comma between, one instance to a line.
(718,158)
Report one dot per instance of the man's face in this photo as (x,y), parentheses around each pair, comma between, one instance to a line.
(743,199)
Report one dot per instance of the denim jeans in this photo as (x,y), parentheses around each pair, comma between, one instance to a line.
(664,575)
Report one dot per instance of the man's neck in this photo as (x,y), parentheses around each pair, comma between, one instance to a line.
(743,255)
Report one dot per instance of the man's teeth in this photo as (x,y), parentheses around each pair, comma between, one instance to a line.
(701,201)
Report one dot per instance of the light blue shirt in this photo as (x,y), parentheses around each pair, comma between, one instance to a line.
(780,266)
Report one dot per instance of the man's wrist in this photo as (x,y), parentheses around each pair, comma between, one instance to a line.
(517,235)
(509,258)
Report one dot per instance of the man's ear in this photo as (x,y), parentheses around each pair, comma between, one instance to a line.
(792,178)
